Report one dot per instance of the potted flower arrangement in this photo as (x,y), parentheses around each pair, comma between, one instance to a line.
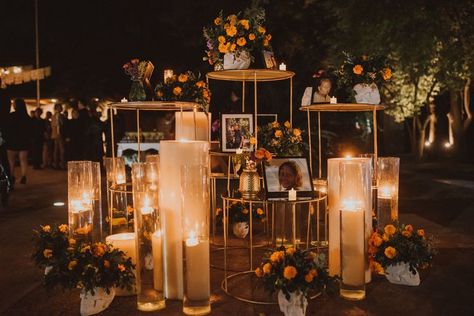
(399,251)
(282,139)
(95,268)
(239,217)
(136,69)
(234,40)
(294,273)
(185,87)
(364,75)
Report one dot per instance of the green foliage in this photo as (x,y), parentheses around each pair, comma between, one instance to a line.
(283,140)
(399,243)
(70,264)
(292,270)
(239,212)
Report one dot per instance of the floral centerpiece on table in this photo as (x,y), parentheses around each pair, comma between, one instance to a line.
(96,268)
(366,71)
(239,34)
(399,251)
(185,87)
(137,71)
(282,139)
(294,273)
(239,216)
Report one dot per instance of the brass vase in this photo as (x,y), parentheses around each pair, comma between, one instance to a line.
(249,185)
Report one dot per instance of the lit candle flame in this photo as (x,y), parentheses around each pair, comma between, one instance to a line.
(351,205)
(192,239)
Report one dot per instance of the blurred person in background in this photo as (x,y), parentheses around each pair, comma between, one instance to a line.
(48,142)
(57,123)
(38,129)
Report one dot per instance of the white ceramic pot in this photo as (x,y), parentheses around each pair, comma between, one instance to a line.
(400,274)
(296,306)
(367,93)
(231,61)
(94,304)
(240,229)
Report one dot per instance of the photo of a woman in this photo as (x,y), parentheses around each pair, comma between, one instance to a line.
(290,176)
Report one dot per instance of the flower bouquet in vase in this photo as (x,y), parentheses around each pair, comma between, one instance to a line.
(363,76)
(239,216)
(140,73)
(399,252)
(233,41)
(294,273)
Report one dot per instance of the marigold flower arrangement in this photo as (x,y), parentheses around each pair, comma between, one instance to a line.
(398,243)
(291,270)
(365,69)
(236,33)
(240,212)
(185,87)
(136,69)
(282,139)
(70,264)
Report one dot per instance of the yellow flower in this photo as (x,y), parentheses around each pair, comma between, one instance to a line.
(218,21)
(385,237)
(63,228)
(86,248)
(72,242)
(183,78)
(276,256)
(372,250)
(275,124)
(267,268)
(265,42)
(231,31)
(241,41)
(253,140)
(159,94)
(99,249)
(290,251)
(232,19)
(245,211)
(200,84)
(296,132)
(106,264)
(177,91)
(224,48)
(377,240)
(390,229)
(268,155)
(259,211)
(245,24)
(420,232)
(259,154)
(376,267)
(261,30)
(251,36)
(278,133)
(221,39)
(406,233)
(233,47)
(309,277)
(287,124)
(390,252)
(290,272)
(72,264)
(47,253)
(47,229)
(358,69)
(121,267)
(387,74)
(259,272)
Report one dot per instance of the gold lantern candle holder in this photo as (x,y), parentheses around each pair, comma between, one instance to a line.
(148,241)
(80,200)
(196,265)
(119,214)
(388,169)
(355,183)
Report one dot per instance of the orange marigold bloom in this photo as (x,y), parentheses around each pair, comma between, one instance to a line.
(99,249)
(420,232)
(309,277)
(269,37)
(259,211)
(268,155)
(259,272)
(245,24)
(72,264)
(390,252)
(200,84)
(183,78)
(259,154)
(231,31)
(296,132)
(261,29)
(253,140)
(276,256)
(358,69)
(390,229)
(275,124)
(266,42)
(241,41)
(251,36)
(121,267)
(387,74)
(221,39)
(409,228)
(63,228)
(47,228)
(218,21)
(267,268)
(47,253)
(290,251)
(290,272)
(177,91)
(278,133)
(287,124)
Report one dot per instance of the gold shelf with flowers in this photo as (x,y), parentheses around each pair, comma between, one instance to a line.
(233,41)
(96,268)
(399,252)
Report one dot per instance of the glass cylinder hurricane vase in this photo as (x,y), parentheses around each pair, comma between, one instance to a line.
(119,215)
(148,241)
(387,190)
(80,200)
(196,267)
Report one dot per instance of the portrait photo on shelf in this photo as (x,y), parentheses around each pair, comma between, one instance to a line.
(282,174)
(236,130)
(269,59)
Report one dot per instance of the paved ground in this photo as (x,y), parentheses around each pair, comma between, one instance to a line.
(439,197)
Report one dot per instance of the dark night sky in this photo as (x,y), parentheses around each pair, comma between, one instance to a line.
(87,42)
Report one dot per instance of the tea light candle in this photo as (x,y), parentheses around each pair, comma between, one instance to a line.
(124,242)
(167,74)
(292,195)
(197,268)
(282,66)
(146,209)
(333,100)
(124,100)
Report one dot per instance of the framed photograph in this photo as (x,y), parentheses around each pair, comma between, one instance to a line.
(285,173)
(236,131)
(264,119)
(269,59)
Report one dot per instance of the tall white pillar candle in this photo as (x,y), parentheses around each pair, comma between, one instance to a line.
(352,244)
(126,243)
(174,155)
(197,269)
(157,251)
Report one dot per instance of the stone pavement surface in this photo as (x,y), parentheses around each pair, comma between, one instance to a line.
(436,196)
